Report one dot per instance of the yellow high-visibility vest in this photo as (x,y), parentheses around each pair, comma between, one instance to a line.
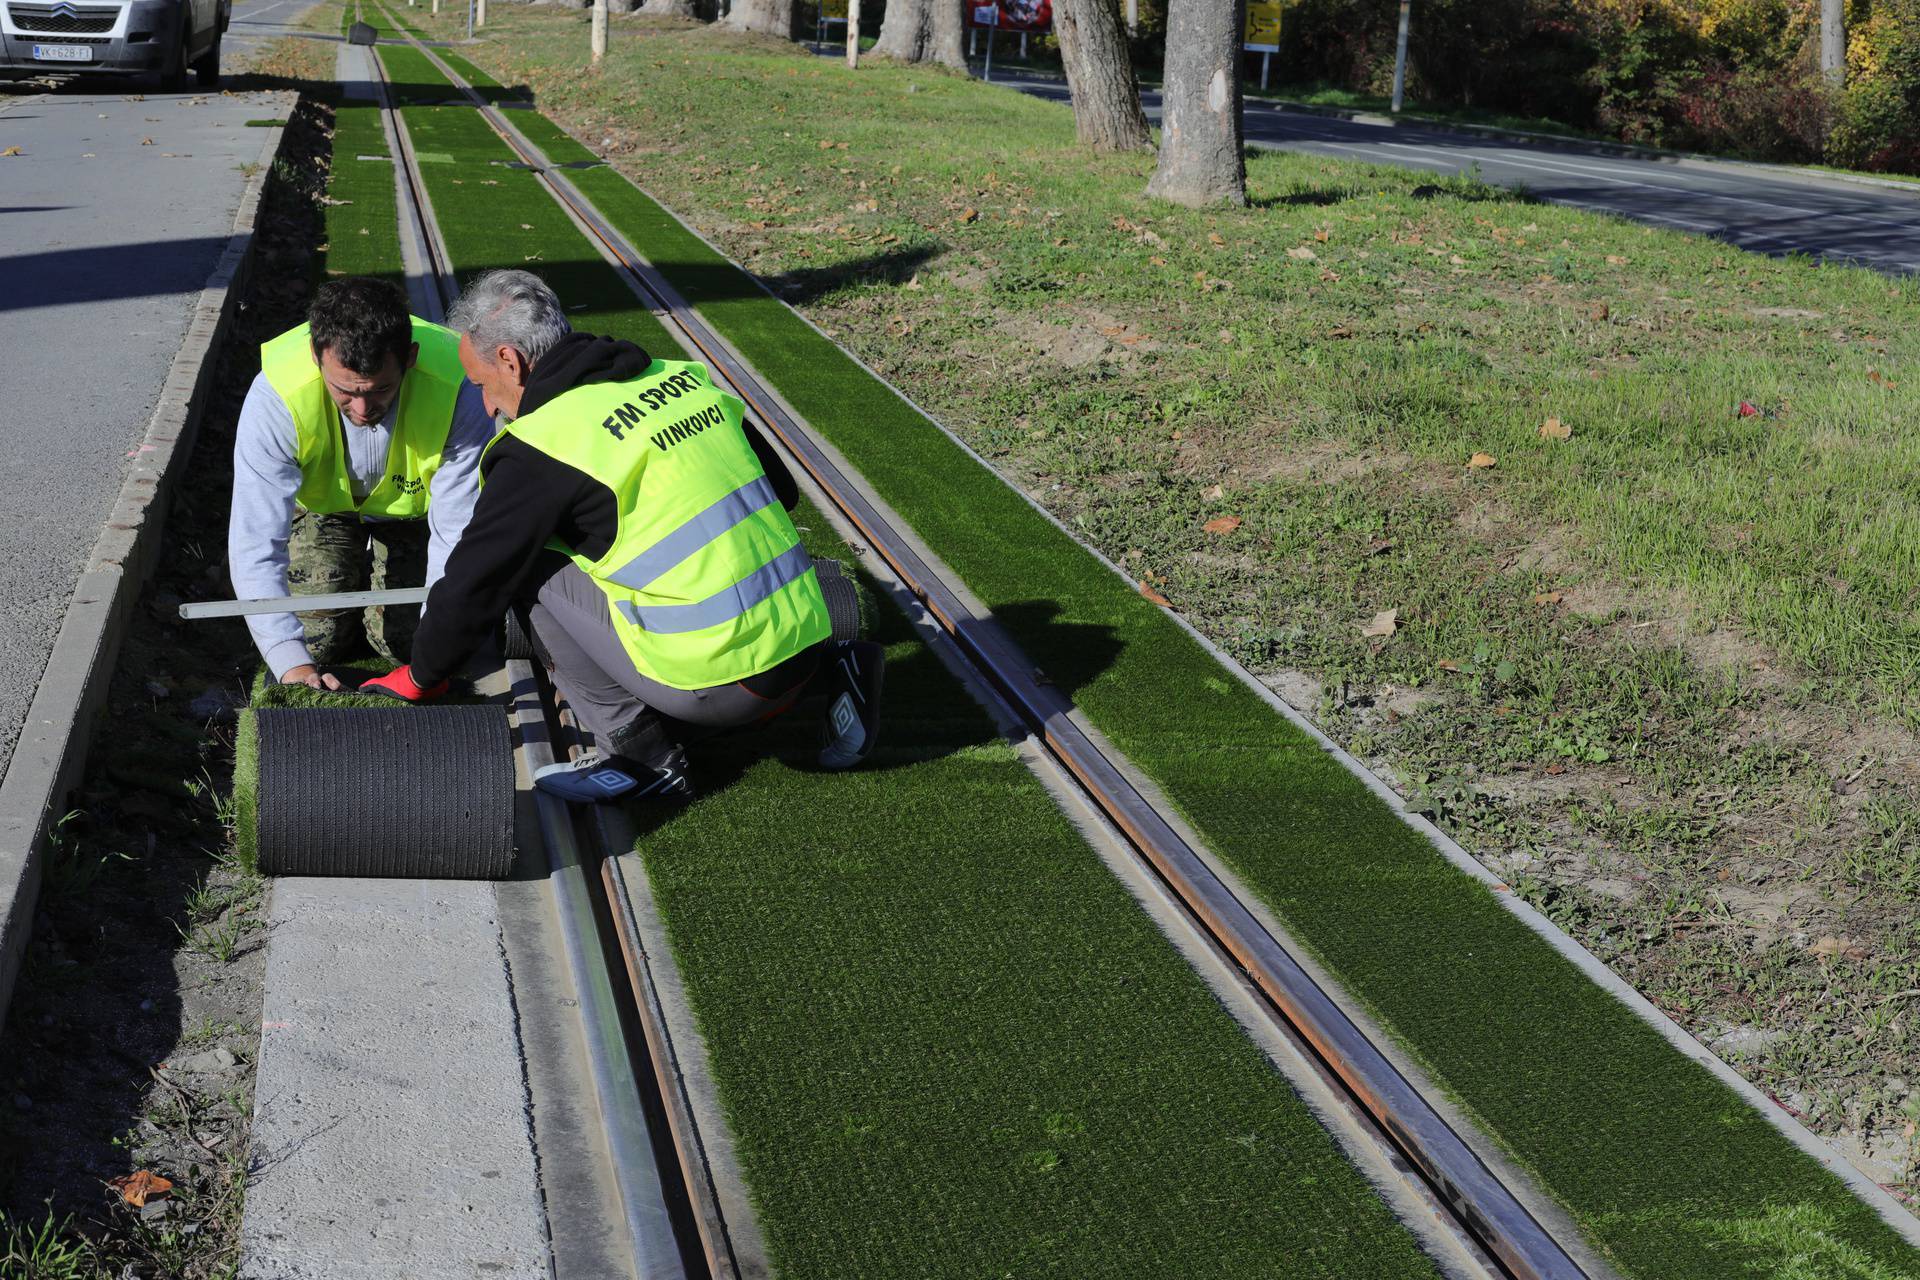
(427,396)
(706,580)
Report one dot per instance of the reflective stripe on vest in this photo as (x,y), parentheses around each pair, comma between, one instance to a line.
(725,604)
(652,564)
(706,579)
(422,418)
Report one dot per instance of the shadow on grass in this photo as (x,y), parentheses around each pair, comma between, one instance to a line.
(706,280)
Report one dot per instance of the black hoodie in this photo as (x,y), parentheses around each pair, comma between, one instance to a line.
(530,497)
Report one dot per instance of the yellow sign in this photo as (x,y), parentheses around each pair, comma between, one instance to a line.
(1263,24)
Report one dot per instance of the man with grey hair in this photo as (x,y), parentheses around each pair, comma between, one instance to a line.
(629,503)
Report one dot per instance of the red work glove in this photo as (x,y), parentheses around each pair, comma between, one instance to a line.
(398,683)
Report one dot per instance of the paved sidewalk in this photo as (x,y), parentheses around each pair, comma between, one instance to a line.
(112,215)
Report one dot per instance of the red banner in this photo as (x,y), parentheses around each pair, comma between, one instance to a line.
(1011,15)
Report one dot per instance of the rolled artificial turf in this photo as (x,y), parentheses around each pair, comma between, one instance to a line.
(948,1041)
(1669,1172)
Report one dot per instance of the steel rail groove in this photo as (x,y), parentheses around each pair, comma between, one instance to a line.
(1485,1207)
(651,1205)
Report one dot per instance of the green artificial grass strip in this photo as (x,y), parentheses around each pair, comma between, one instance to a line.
(270,123)
(1656,1159)
(949,1042)
(246,791)
(492,215)
(363,216)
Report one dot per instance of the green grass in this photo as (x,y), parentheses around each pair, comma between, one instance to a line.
(942,1074)
(1658,1161)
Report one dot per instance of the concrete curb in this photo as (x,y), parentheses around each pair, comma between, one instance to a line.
(52,749)
(1618,150)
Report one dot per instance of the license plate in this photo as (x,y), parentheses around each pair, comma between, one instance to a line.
(62,53)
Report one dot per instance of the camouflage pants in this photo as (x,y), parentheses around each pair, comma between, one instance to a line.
(341,552)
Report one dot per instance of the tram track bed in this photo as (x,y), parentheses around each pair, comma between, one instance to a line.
(1668,1170)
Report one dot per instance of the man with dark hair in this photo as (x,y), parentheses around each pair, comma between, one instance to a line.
(646,523)
(353,466)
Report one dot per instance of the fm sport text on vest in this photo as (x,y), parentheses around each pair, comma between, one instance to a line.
(651,400)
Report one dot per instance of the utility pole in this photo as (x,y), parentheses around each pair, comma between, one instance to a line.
(853,34)
(479,13)
(599,30)
(1400,58)
(1833,42)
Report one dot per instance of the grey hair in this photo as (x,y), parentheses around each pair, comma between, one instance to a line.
(510,309)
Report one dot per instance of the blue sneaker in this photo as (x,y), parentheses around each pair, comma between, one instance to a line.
(594,779)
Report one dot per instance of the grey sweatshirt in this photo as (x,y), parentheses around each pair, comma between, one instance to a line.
(266,476)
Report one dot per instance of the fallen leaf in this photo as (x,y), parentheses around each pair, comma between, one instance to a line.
(913,283)
(1154,596)
(1213,492)
(1549,597)
(1321,235)
(1301,252)
(1554,429)
(1480,461)
(1384,624)
(969,215)
(1222,524)
(1447,664)
(825,145)
(1615,260)
(1598,311)
(146,142)
(138,1188)
(1148,238)
(1380,546)
(526,226)
(1829,946)
(1215,238)
(1555,770)
(11,151)
(1745,410)
(1329,274)
(1157,260)
(1456,260)
(1881,379)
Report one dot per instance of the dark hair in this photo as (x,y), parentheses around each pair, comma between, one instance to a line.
(361,321)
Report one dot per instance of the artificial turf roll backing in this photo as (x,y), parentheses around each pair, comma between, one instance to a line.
(1668,1170)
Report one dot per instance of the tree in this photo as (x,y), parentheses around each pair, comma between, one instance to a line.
(774,17)
(922,31)
(1200,157)
(670,8)
(1106,97)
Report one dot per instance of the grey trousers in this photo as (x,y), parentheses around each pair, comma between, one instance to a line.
(591,668)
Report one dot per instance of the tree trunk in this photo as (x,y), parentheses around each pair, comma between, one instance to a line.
(1833,41)
(774,17)
(1106,97)
(669,9)
(1200,157)
(923,31)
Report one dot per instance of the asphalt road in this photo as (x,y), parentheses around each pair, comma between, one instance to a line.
(1741,204)
(112,215)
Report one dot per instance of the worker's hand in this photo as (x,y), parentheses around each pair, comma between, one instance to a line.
(312,677)
(398,683)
